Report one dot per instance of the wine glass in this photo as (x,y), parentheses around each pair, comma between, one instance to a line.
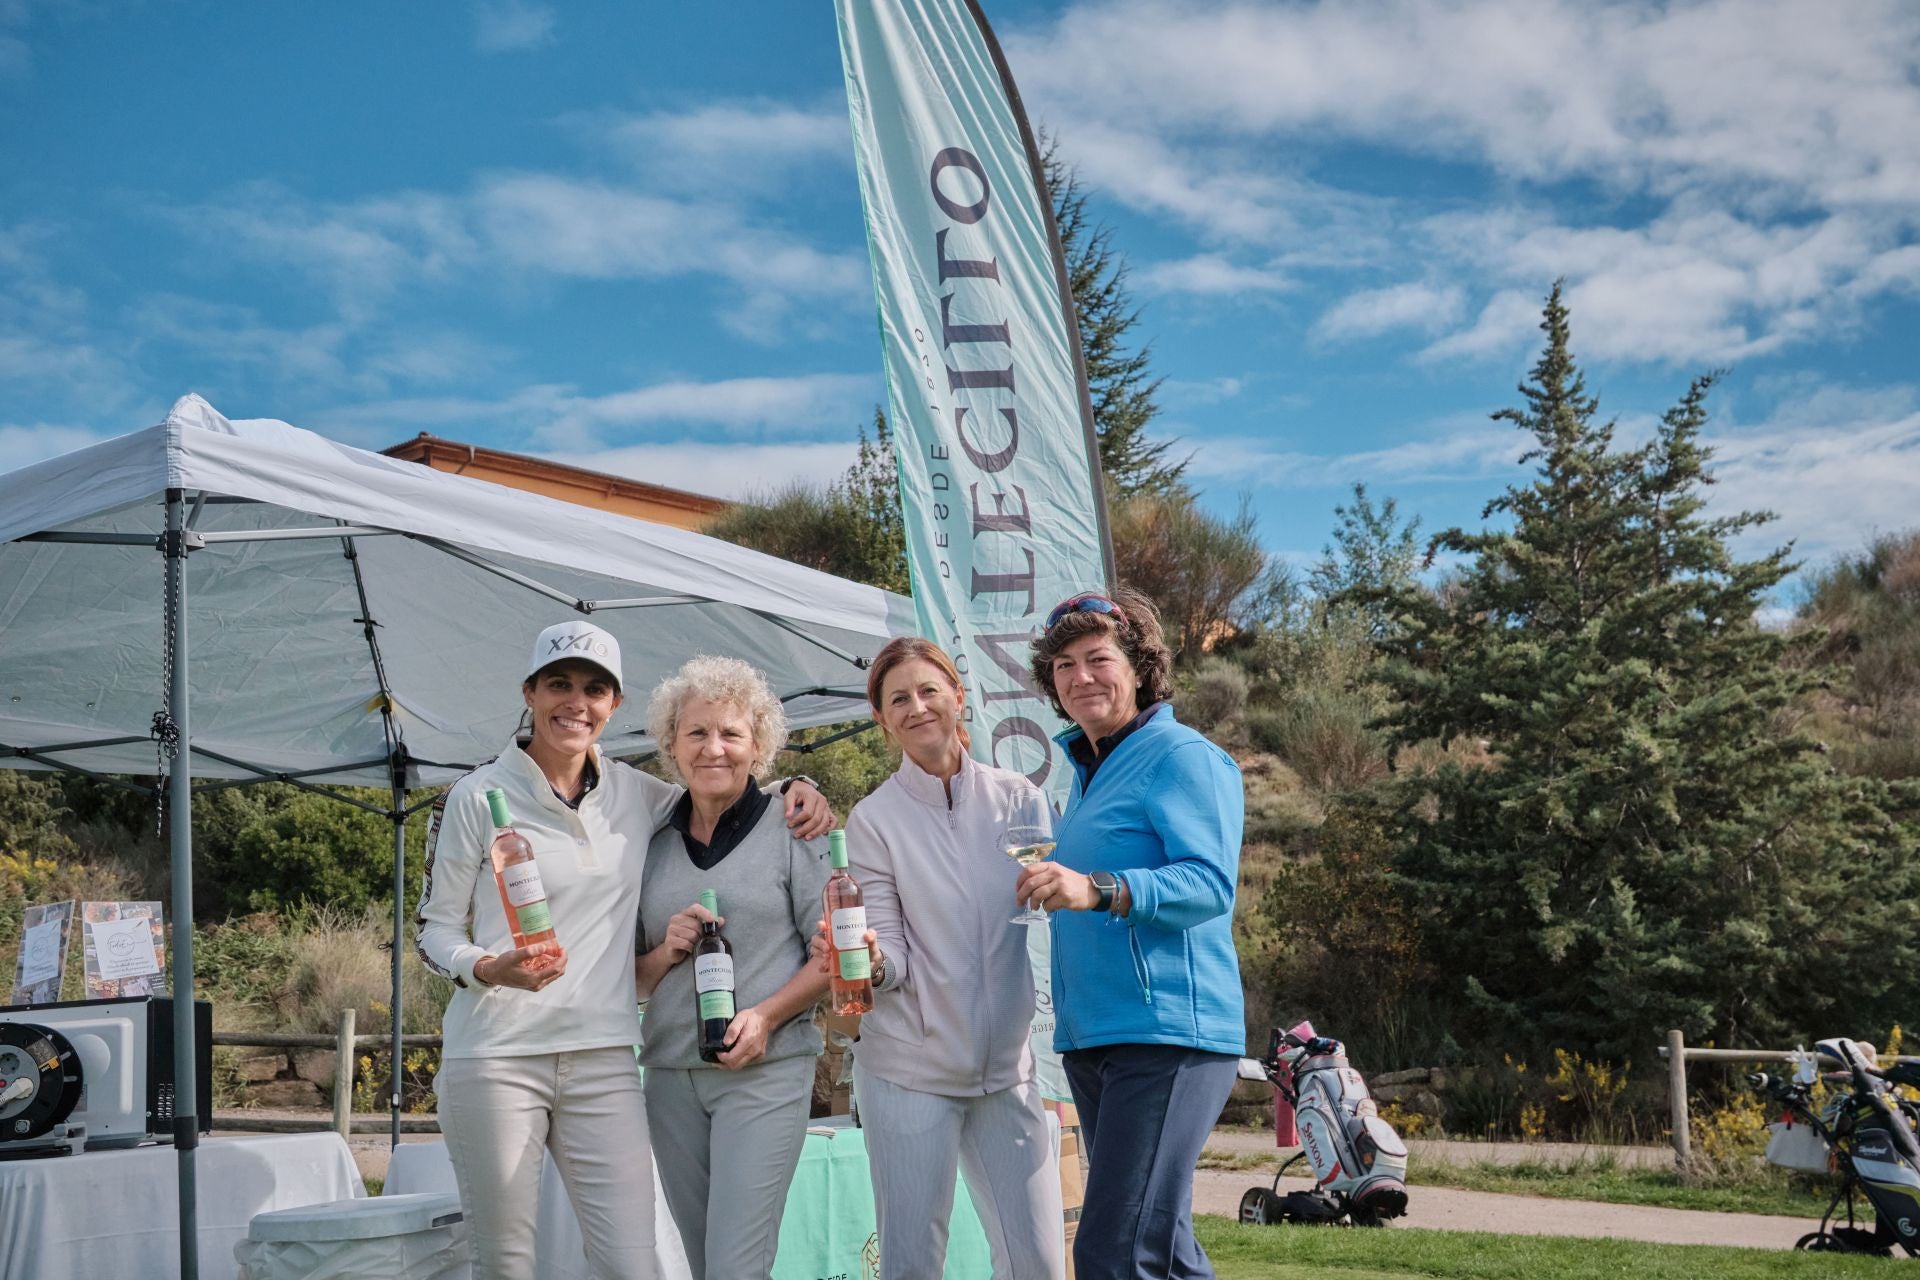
(1028,839)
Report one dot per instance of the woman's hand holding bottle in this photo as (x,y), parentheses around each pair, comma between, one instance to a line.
(820,948)
(528,968)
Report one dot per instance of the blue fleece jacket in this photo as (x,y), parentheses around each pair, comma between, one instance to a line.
(1164,813)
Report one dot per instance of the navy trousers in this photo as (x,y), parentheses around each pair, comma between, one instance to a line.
(1145,1113)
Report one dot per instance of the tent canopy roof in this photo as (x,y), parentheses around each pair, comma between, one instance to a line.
(417,593)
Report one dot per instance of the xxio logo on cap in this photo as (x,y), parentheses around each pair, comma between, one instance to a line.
(583,643)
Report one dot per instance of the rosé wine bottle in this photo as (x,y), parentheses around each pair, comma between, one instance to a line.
(518,878)
(851,971)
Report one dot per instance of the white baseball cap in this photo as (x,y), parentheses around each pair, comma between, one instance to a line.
(579,640)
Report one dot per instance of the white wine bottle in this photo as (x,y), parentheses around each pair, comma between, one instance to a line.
(713,982)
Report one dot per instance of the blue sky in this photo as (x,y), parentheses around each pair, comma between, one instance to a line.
(629,236)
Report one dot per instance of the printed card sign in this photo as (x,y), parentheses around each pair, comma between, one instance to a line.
(43,953)
(125,949)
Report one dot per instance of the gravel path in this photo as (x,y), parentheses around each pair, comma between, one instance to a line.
(1259,1142)
(1443,1208)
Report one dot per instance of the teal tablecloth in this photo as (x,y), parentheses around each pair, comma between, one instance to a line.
(827,1231)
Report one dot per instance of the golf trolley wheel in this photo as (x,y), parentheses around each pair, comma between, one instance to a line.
(1259,1207)
(1843,1240)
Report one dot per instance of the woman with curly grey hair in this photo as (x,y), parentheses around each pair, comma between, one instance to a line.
(728,1132)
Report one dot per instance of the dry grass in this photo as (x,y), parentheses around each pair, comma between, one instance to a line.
(341,961)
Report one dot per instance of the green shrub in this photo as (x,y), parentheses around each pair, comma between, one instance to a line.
(1216,696)
(1347,947)
(846,770)
(1324,735)
(317,850)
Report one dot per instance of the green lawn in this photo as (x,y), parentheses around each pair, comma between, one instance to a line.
(1303,1253)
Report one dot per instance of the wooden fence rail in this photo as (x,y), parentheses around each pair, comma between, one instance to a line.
(1678,1055)
(346,1046)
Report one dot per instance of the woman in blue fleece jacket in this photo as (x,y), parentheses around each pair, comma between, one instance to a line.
(1146,984)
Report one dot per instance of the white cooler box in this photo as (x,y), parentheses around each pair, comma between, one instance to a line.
(410,1237)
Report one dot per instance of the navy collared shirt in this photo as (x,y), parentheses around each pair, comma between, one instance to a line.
(1088,754)
(734,825)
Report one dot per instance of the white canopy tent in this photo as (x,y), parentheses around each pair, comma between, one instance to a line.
(337,616)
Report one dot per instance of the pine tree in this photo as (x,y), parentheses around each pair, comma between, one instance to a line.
(1118,379)
(1373,556)
(1639,845)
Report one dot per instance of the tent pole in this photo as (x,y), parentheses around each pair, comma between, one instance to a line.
(186,1125)
(399,923)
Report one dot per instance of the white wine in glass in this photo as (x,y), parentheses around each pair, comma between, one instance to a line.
(1027,844)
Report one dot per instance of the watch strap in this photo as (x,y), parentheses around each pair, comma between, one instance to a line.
(1106,886)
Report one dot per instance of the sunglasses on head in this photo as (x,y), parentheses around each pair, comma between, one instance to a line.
(1085,602)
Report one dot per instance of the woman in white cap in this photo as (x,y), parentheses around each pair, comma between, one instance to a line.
(539,1039)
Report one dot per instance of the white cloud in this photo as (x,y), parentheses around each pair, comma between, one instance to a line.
(1372,312)
(1210,274)
(1747,179)
(534,224)
(1508,321)
(1451,451)
(22,445)
(737,471)
(753,145)
(362,251)
(29,360)
(1227,192)
(560,419)
(509,26)
(1693,285)
(1810,102)
(1836,465)
(1180,393)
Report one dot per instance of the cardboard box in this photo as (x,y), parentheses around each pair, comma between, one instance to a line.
(1073,1180)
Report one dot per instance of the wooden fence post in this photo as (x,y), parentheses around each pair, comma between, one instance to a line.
(1677,1099)
(343,1065)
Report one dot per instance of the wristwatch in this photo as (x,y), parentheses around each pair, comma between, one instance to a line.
(1106,886)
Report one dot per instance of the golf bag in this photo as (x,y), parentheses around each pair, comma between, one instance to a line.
(1871,1132)
(1357,1160)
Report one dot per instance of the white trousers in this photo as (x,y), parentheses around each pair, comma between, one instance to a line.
(499,1115)
(729,1141)
(915,1141)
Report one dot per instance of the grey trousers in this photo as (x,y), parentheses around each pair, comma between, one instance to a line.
(584,1106)
(915,1143)
(730,1139)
